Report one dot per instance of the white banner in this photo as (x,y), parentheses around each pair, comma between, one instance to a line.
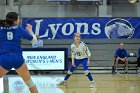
(44,60)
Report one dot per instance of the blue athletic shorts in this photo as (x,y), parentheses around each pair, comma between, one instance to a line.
(84,61)
(11,60)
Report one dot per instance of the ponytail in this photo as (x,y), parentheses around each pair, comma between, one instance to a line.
(2,22)
(5,23)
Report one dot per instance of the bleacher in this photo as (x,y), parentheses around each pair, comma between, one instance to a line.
(102,50)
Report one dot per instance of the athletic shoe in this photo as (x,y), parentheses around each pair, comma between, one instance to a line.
(93,84)
(63,83)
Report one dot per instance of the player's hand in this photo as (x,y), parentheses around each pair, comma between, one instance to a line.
(29,27)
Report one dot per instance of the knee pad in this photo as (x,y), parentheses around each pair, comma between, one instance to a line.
(69,72)
(86,72)
(30,83)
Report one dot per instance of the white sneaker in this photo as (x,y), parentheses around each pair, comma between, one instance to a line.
(63,83)
(93,84)
(117,72)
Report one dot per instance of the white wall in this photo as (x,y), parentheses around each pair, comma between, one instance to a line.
(2,2)
(5,9)
(138,9)
(44,9)
(105,10)
(58,11)
(124,11)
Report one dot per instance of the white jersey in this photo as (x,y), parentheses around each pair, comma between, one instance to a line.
(81,51)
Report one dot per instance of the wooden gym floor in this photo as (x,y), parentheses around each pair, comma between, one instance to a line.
(78,83)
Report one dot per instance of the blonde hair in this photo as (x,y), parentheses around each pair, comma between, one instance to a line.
(76,34)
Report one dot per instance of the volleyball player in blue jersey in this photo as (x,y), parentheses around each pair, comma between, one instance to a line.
(10,50)
(80,55)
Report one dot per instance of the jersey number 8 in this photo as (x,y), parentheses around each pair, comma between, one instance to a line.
(9,35)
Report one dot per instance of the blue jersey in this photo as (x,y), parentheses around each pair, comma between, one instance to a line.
(121,53)
(10,38)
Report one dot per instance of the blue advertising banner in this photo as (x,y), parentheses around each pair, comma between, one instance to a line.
(64,28)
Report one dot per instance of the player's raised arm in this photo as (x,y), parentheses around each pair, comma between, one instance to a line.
(28,33)
(29,29)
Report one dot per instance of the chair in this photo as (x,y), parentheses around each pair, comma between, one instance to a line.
(132,62)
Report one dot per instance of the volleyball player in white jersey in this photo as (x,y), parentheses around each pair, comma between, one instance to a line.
(80,55)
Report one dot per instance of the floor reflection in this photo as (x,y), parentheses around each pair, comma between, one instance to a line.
(45,84)
(78,83)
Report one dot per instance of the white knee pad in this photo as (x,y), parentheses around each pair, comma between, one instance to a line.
(30,83)
(69,72)
(86,72)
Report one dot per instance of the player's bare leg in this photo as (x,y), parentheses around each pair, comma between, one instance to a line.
(25,75)
(64,82)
